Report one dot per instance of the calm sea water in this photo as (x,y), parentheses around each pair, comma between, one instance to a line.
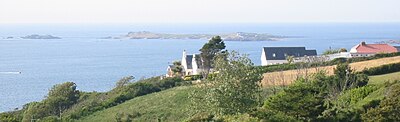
(96,64)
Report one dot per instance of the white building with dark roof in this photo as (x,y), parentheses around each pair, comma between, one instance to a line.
(278,55)
(191,64)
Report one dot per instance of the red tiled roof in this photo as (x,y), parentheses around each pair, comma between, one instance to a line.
(375,48)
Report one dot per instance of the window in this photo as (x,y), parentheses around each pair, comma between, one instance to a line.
(273,55)
(285,55)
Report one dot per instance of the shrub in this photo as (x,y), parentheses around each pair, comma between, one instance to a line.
(388,109)
(384,69)
(273,116)
(192,77)
(302,100)
(240,118)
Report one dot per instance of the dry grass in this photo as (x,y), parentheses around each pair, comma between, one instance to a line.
(287,77)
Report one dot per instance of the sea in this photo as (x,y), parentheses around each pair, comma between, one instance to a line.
(30,67)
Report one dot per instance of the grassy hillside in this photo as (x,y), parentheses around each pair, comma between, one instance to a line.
(168,105)
(171,105)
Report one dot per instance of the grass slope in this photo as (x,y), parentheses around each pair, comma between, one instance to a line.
(168,105)
(378,80)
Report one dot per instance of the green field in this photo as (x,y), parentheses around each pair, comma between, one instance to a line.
(379,79)
(168,105)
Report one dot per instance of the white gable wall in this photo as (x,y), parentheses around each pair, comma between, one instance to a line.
(263,58)
(194,65)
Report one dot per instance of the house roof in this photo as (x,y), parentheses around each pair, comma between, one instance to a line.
(374,48)
(280,53)
(189,61)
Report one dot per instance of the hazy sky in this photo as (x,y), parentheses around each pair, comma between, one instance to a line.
(198,11)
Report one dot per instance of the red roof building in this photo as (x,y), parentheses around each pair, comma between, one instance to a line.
(364,48)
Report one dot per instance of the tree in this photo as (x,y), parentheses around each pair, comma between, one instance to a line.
(333,51)
(124,81)
(208,52)
(290,59)
(344,78)
(60,97)
(342,50)
(235,89)
(177,68)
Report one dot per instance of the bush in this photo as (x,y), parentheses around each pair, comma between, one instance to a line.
(240,118)
(384,69)
(201,117)
(273,116)
(388,109)
(50,119)
(9,117)
(352,96)
(192,77)
(302,100)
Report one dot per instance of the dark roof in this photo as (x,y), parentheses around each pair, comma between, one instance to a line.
(282,52)
(397,47)
(189,61)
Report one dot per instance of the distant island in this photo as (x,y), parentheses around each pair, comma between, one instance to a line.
(389,42)
(36,36)
(238,36)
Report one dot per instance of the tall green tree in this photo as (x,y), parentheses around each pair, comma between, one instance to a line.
(235,88)
(208,52)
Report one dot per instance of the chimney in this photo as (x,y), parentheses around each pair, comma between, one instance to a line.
(184,53)
(363,43)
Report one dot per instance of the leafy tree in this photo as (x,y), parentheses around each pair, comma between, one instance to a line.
(60,98)
(177,68)
(342,50)
(344,78)
(208,52)
(124,81)
(290,59)
(235,89)
(333,51)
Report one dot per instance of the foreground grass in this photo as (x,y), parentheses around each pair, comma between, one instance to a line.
(168,105)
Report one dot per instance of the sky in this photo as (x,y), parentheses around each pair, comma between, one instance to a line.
(198,11)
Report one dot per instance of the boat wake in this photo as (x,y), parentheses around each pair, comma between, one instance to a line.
(10,73)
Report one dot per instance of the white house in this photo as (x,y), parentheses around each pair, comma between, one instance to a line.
(191,64)
(365,50)
(278,55)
